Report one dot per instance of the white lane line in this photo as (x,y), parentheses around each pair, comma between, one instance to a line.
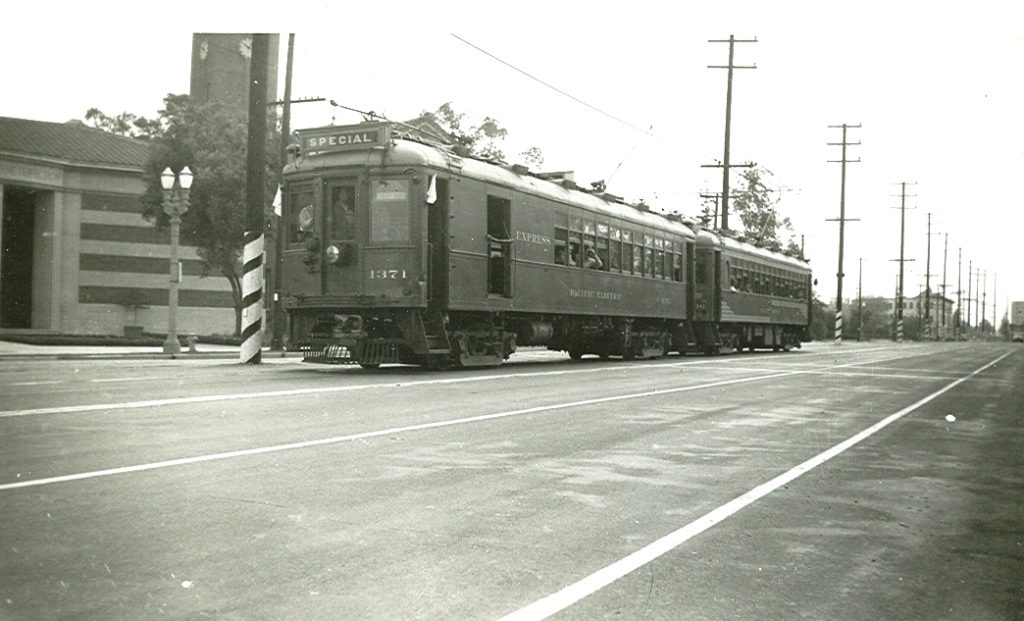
(127,379)
(383,432)
(133,405)
(547,606)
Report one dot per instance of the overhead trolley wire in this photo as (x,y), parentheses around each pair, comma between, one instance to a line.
(557,90)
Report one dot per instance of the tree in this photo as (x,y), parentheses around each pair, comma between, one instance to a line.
(755,202)
(876,322)
(823,320)
(482,139)
(211,139)
(124,124)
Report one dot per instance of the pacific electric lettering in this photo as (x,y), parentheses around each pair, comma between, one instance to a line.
(594,295)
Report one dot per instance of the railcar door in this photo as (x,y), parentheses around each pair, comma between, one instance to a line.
(438,246)
(341,232)
(499,246)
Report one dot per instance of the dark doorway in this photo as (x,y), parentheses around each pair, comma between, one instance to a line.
(437,242)
(19,218)
(499,246)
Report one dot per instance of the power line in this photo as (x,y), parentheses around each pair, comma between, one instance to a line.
(557,90)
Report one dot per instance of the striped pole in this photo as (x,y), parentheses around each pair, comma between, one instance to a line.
(252,298)
(255,203)
(899,330)
(839,327)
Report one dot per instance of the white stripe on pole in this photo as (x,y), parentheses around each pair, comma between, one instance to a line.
(252,303)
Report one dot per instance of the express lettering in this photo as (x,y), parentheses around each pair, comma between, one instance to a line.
(532,238)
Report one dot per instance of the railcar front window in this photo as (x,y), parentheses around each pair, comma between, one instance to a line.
(301,216)
(389,212)
(343,214)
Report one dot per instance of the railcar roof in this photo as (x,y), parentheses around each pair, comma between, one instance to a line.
(738,246)
(405,152)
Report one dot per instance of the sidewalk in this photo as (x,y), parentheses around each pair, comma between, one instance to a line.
(10,350)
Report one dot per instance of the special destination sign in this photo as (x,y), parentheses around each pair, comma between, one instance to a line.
(324,139)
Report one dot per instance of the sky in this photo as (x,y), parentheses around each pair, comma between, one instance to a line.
(622,92)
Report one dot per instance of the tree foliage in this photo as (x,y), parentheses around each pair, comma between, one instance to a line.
(482,139)
(125,124)
(211,139)
(756,202)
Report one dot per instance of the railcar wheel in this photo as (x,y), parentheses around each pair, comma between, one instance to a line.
(575,354)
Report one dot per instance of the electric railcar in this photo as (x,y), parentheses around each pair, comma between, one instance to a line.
(397,250)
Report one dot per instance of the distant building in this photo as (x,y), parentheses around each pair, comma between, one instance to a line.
(76,256)
(941,311)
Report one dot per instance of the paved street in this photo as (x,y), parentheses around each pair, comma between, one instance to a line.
(863,482)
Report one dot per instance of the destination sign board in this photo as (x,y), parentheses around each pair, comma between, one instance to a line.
(323,139)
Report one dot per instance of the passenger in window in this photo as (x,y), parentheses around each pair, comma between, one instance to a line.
(592,261)
(560,255)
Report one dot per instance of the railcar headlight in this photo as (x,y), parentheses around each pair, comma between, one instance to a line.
(332,254)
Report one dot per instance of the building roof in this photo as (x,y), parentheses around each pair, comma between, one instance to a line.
(72,142)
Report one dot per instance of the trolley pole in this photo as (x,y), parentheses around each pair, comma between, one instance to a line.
(725,165)
(842,226)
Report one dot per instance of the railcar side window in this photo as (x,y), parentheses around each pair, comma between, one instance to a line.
(615,254)
(561,245)
(627,251)
(389,211)
(300,214)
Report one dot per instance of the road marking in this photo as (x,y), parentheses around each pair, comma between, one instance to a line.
(383,432)
(134,405)
(372,434)
(560,600)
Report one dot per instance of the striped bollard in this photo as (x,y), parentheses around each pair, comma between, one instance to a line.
(839,327)
(899,331)
(252,292)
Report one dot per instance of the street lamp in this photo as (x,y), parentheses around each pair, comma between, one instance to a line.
(176,187)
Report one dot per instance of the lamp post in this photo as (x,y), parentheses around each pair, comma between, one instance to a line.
(176,187)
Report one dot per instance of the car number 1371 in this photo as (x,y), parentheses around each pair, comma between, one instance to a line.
(385,274)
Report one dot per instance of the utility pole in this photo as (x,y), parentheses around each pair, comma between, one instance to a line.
(842,226)
(860,300)
(255,199)
(995,329)
(959,294)
(717,197)
(899,287)
(945,257)
(970,276)
(277,339)
(977,299)
(725,165)
(927,283)
(984,292)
